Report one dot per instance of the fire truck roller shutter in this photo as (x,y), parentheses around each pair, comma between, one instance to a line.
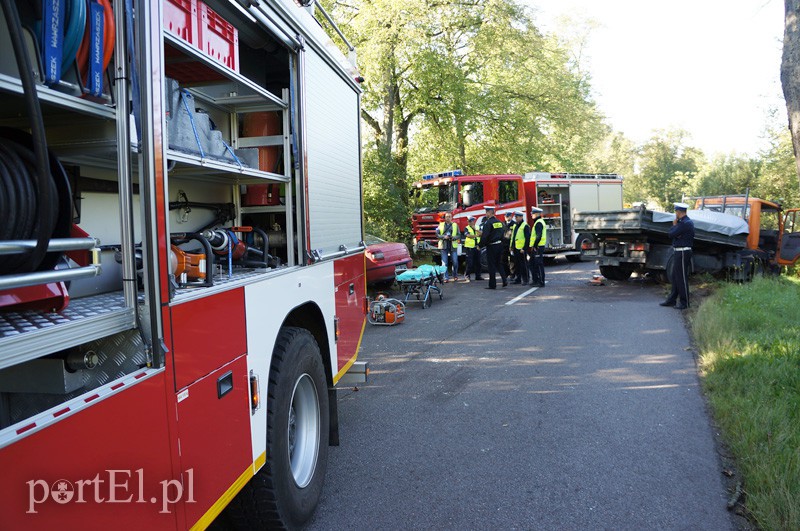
(334,161)
(609,197)
(583,197)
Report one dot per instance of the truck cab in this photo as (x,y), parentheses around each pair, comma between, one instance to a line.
(772,235)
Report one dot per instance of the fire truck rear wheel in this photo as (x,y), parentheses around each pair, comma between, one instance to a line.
(285,492)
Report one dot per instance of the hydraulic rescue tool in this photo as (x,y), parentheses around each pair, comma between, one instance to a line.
(386,311)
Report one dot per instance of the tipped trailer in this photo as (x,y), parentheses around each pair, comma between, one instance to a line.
(728,238)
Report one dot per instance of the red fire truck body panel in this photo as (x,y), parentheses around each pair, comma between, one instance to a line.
(423,224)
(350,279)
(204,338)
(127,432)
(219,426)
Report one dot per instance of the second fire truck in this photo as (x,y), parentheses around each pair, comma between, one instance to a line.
(559,195)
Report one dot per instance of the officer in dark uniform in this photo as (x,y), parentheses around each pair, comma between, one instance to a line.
(682,234)
(537,244)
(507,259)
(518,246)
(492,240)
(471,239)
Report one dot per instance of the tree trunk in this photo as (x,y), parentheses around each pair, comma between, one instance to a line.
(790,74)
(389,101)
(401,158)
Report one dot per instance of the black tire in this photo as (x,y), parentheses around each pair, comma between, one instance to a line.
(760,268)
(665,277)
(615,272)
(285,492)
(578,241)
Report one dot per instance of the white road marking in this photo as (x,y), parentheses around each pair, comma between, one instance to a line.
(521,296)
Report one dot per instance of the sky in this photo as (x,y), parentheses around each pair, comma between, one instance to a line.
(711,67)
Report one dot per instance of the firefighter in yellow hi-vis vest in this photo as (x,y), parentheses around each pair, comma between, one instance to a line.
(471,239)
(518,247)
(538,241)
(448,235)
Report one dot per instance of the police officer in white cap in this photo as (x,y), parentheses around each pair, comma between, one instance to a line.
(471,239)
(537,243)
(682,234)
(518,247)
(492,239)
(507,259)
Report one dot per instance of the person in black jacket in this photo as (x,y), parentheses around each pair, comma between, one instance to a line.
(492,240)
(507,259)
(537,245)
(470,243)
(518,247)
(682,234)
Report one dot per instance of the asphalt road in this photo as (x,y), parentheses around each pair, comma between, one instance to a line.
(577,407)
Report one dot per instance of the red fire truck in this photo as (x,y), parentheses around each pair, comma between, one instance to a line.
(181,261)
(559,195)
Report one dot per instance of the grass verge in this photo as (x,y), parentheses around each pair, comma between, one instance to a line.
(748,339)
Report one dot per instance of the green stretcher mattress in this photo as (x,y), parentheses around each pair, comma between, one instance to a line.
(422,272)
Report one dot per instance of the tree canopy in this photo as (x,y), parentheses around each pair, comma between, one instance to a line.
(475,85)
(469,84)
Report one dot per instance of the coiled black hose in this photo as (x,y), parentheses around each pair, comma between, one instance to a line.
(20,200)
(28,186)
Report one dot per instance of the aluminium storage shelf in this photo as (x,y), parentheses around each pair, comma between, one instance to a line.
(55,101)
(28,334)
(231,91)
(208,169)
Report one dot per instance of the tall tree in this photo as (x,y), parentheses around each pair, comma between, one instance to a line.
(728,174)
(790,73)
(389,36)
(668,167)
(618,154)
(512,100)
(461,83)
(777,180)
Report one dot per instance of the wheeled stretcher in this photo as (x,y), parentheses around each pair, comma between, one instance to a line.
(421,283)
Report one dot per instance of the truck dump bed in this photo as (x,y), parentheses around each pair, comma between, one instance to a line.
(711,228)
